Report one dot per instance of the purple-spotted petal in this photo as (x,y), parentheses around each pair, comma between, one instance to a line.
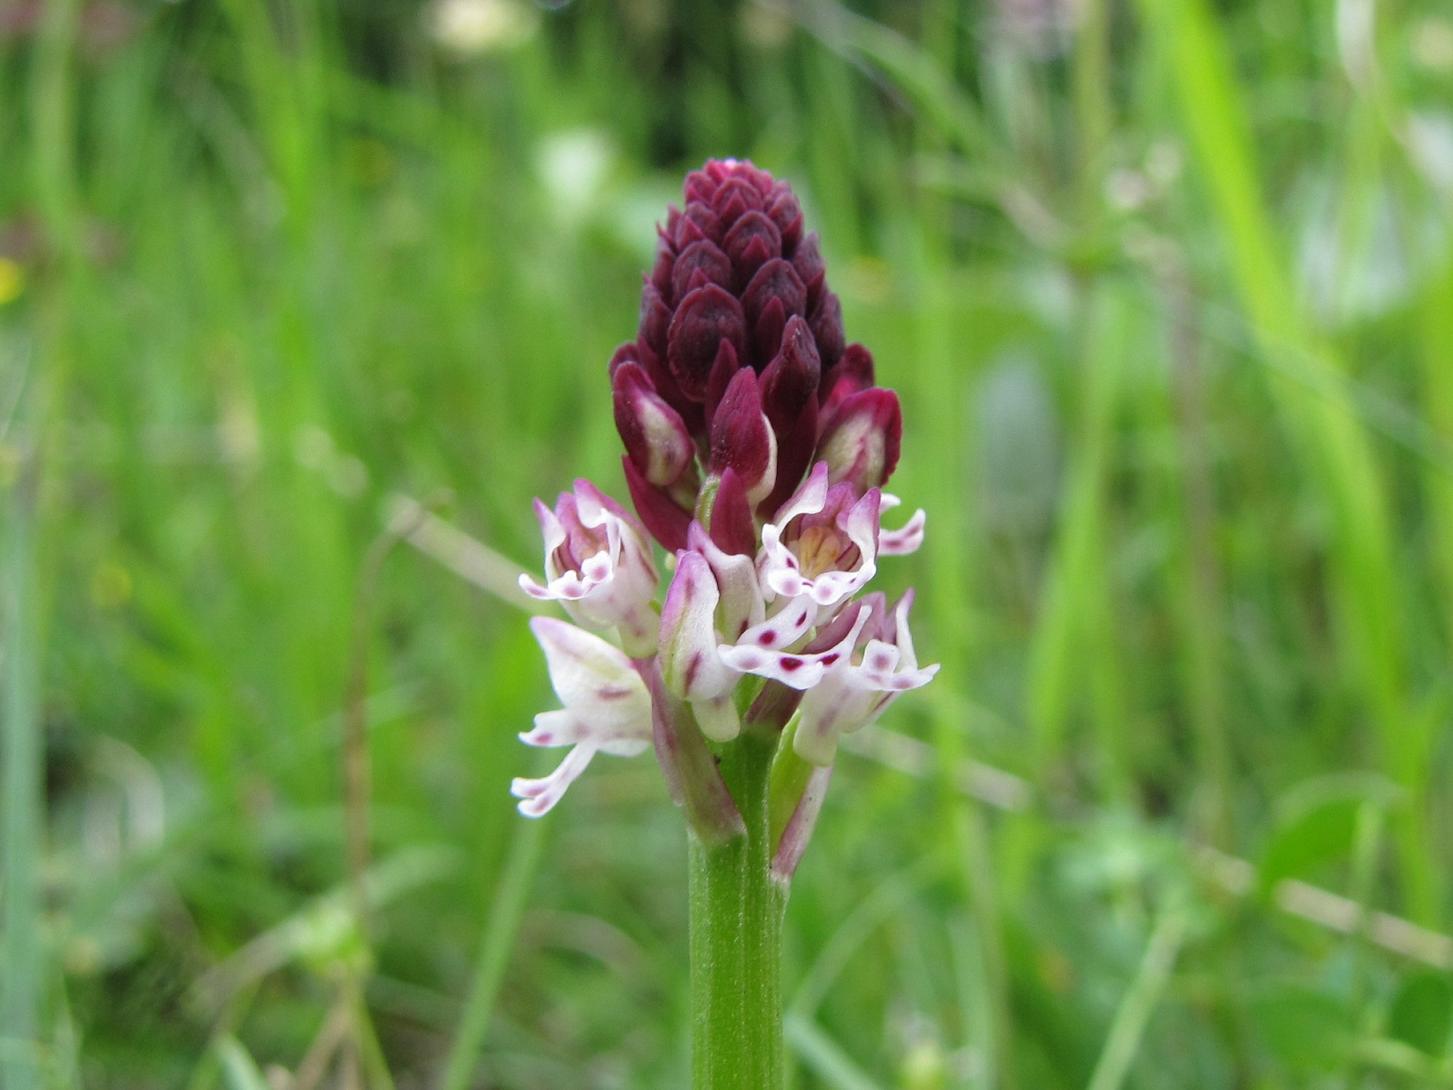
(879,661)
(573,727)
(860,525)
(783,629)
(607,710)
(908,538)
(901,636)
(561,727)
(828,712)
(798,670)
(856,691)
(592,677)
(538,797)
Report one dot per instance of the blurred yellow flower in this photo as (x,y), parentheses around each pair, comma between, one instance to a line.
(12,280)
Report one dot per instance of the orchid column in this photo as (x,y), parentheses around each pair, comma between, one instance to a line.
(756,451)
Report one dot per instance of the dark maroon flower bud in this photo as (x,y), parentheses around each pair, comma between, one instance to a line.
(854,372)
(827,327)
(861,440)
(699,264)
(626,353)
(732,527)
(796,442)
(752,242)
(735,198)
(812,270)
(723,369)
(660,277)
(655,436)
(655,319)
(665,386)
(741,438)
(768,329)
(776,280)
(705,318)
(774,295)
(699,186)
(786,213)
(663,516)
(742,231)
(697,222)
(789,399)
(791,379)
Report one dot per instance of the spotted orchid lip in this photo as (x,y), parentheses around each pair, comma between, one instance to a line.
(795,669)
(609,588)
(860,686)
(908,538)
(606,709)
(782,570)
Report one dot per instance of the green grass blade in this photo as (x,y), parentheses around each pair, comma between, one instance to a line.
(1139,1002)
(494,951)
(1073,647)
(23,815)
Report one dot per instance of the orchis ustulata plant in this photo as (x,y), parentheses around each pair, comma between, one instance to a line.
(757,448)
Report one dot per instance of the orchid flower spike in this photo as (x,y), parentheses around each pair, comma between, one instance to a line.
(757,451)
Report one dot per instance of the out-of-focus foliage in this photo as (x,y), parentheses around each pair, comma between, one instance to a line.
(1167,289)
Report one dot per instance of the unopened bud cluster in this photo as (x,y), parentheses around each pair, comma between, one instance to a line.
(756,447)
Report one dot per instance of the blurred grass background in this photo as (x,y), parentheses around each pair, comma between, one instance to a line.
(1167,289)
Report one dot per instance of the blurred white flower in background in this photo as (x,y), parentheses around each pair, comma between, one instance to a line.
(1430,143)
(469,28)
(574,166)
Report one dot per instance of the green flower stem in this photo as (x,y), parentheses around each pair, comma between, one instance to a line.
(736,937)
